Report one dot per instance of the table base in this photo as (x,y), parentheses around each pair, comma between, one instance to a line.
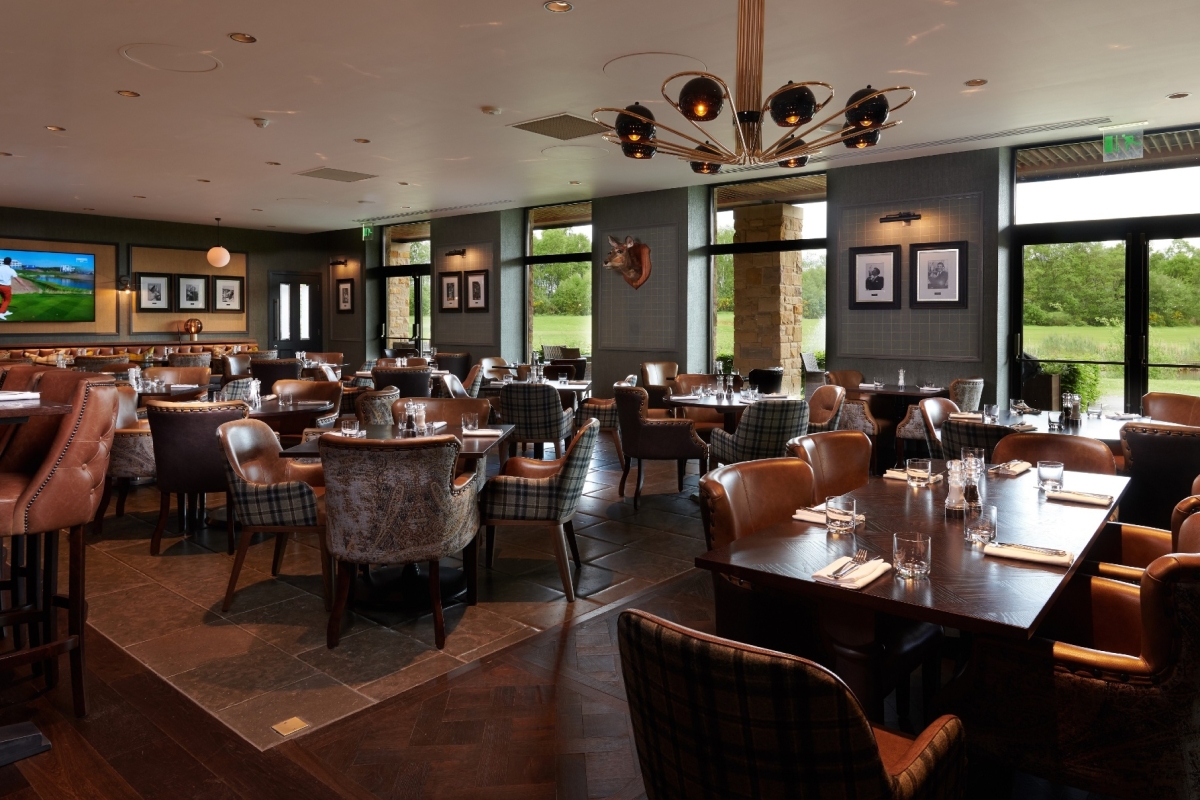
(405,587)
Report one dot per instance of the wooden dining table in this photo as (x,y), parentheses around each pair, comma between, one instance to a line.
(1105,429)
(472,446)
(984,595)
(15,412)
(731,410)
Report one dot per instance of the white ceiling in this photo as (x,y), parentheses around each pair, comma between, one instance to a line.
(411,77)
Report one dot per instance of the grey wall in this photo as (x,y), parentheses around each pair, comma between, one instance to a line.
(347,333)
(961,196)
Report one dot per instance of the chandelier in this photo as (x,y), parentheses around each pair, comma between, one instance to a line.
(793,107)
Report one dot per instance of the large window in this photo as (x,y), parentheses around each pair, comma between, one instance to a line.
(407,283)
(560,291)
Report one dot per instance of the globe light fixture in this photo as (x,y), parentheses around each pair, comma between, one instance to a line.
(218,256)
(635,124)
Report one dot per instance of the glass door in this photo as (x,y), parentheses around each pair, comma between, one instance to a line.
(408,307)
(1172,352)
(294,313)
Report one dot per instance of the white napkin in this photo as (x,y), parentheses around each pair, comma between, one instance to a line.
(902,475)
(1021,554)
(1012,470)
(866,386)
(484,432)
(11,396)
(267,397)
(185,386)
(857,578)
(1123,416)
(776,396)
(1075,497)
(816,515)
(683,397)
(931,388)
(1024,426)
(966,415)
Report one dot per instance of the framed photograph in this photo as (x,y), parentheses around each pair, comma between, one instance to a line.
(191,293)
(875,277)
(228,295)
(938,275)
(153,291)
(450,295)
(475,290)
(345,296)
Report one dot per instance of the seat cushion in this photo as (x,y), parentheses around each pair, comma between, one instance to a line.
(12,485)
(893,747)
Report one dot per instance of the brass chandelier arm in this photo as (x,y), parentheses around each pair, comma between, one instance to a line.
(656,142)
(728,98)
(669,148)
(767,153)
(816,145)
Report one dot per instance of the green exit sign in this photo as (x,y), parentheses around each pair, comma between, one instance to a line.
(368,232)
(1123,145)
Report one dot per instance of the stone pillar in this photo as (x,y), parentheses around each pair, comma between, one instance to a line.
(766,293)
(399,294)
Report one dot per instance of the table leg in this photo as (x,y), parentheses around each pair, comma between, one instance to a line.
(731,421)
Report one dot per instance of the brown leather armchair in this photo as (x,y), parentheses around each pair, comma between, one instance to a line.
(1125,550)
(1161,462)
(707,420)
(456,364)
(1181,409)
(198,376)
(742,498)
(291,426)
(1077,453)
(653,439)
(840,461)
(848,379)
(237,365)
(825,408)
(934,412)
(656,378)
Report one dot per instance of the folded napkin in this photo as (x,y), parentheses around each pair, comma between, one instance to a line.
(1123,416)
(1015,468)
(1022,554)
(267,397)
(966,416)
(931,388)
(11,396)
(1080,497)
(684,397)
(856,578)
(1024,426)
(866,386)
(817,515)
(436,424)
(776,396)
(484,432)
(185,386)
(902,475)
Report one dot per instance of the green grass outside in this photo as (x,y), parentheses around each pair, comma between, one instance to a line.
(52,308)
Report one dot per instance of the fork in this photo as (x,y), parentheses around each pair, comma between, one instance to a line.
(860,558)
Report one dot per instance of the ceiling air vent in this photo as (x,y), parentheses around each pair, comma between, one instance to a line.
(340,175)
(562,127)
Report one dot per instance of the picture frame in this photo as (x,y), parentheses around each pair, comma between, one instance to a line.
(154,291)
(874,276)
(938,275)
(228,295)
(344,296)
(450,292)
(475,291)
(191,293)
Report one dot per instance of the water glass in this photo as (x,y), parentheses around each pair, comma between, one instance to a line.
(470,422)
(839,514)
(878,382)
(349,427)
(1095,410)
(990,413)
(918,470)
(562,379)
(508,378)
(1054,420)
(981,526)
(1050,475)
(911,554)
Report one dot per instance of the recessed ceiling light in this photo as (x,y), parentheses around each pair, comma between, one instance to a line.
(89,209)
(363,141)
(405,207)
(574,183)
(203,180)
(366,201)
(128,93)
(5,155)
(256,209)
(1178,95)
(54,128)
(492,110)
(402,183)
(976,82)
(272,163)
(244,38)
(139,197)
(558,7)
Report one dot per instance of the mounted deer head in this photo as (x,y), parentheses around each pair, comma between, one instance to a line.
(631,259)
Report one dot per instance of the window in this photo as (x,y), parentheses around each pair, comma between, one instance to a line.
(407,295)
(285,311)
(560,291)
(304,318)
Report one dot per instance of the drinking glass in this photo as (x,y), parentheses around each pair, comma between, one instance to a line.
(839,514)
(349,427)
(974,460)
(918,470)
(1015,405)
(878,382)
(562,379)
(990,413)
(1050,475)
(911,554)
(470,422)
(981,526)
(1095,410)
(508,378)
(1054,420)
(432,352)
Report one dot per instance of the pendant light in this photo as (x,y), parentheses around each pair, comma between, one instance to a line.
(218,256)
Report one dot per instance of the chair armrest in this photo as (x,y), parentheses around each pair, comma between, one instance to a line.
(935,765)
(1120,572)
(1141,545)
(1099,663)
(531,468)
(657,396)
(312,474)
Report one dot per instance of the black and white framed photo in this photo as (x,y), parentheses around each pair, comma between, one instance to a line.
(450,293)
(191,293)
(153,291)
(475,290)
(344,295)
(875,277)
(228,295)
(938,275)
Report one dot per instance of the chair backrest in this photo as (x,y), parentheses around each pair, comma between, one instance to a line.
(966,393)
(740,499)
(580,365)
(456,364)
(276,369)
(768,381)
(1170,593)
(450,411)
(574,473)
(323,391)
(571,352)
(536,411)
(767,426)
(452,387)
(264,355)
(187,452)
(127,406)
(1181,409)
(493,367)
(325,372)
(554,372)
(691,382)
(934,413)
(252,450)
(474,380)
(190,360)
(1161,462)
(632,402)
(551,351)
(415,361)
(237,365)
(375,407)
(411,381)
(840,461)
(846,378)
(825,406)
(400,352)
(198,376)
(658,373)
(396,501)
(327,358)
(236,389)
(1077,453)
(29,442)
(713,717)
(957,434)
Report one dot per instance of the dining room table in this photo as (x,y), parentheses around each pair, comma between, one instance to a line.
(731,410)
(1106,428)
(169,391)
(579,389)
(473,447)
(16,412)
(965,589)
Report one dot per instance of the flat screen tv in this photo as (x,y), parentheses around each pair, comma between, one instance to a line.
(41,286)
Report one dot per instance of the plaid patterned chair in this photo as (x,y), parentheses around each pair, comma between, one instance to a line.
(375,407)
(544,494)
(649,439)
(536,411)
(825,408)
(957,434)
(713,717)
(132,454)
(398,501)
(237,389)
(234,366)
(934,413)
(763,432)
(270,495)
(604,411)
(966,393)
(474,380)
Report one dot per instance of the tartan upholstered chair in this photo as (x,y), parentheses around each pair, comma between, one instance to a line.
(713,717)
(825,408)
(398,501)
(132,454)
(544,494)
(957,434)
(474,380)
(237,389)
(966,393)
(536,411)
(270,494)
(934,413)
(763,432)
(604,411)
(649,439)
(235,366)
(375,407)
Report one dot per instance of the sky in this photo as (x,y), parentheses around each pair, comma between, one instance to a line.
(34,258)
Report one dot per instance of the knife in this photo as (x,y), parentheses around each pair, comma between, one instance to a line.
(1046,550)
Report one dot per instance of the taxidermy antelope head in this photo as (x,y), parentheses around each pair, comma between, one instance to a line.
(631,259)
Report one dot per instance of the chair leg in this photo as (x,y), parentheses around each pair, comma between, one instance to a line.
(33,589)
(230,520)
(122,494)
(681,464)
(180,498)
(98,522)
(471,568)
(281,543)
(76,611)
(49,590)
(637,494)
(490,546)
(164,508)
(238,560)
(569,527)
(616,437)
(564,566)
(624,475)
(435,600)
(931,684)
(17,593)
(326,573)
(345,577)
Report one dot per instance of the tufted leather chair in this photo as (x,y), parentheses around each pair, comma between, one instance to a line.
(275,369)
(237,365)
(197,376)
(825,408)
(966,393)
(270,494)
(1126,550)
(411,381)
(1161,462)
(934,413)
(54,479)
(654,439)
(1077,453)
(132,454)
(840,461)
(398,501)
(657,377)
(1181,409)
(291,426)
(188,457)
(456,363)
(375,407)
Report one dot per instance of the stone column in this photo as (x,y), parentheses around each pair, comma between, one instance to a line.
(399,293)
(766,293)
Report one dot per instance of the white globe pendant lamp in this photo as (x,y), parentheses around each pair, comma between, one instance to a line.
(218,256)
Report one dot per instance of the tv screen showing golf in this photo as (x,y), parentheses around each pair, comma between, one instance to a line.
(41,286)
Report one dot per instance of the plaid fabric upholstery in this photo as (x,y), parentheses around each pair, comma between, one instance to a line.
(713,718)
(957,434)
(292,504)
(763,431)
(238,389)
(473,389)
(556,498)
(536,411)
(603,411)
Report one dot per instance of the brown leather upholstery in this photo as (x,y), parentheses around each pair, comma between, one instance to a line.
(252,451)
(276,369)
(1181,409)
(127,407)
(1161,462)
(292,425)
(236,365)
(706,419)
(1077,453)
(934,412)
(493,368)
(470,382)
(411,381)
(840,461)
(554,372)
(848,379)
(739,499)
(452,387)
(198,376)
(825,402)
(653,439)
(31,441)
(657,377)
(1126,549)
(457,364)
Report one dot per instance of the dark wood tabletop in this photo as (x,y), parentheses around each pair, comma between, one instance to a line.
(472,446)
(273,408)
(170,390)
(965,589)
(1105,429)
(570,387)
(894,390)
(13,412)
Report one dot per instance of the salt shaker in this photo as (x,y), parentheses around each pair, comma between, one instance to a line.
(955,482)
(901,378)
